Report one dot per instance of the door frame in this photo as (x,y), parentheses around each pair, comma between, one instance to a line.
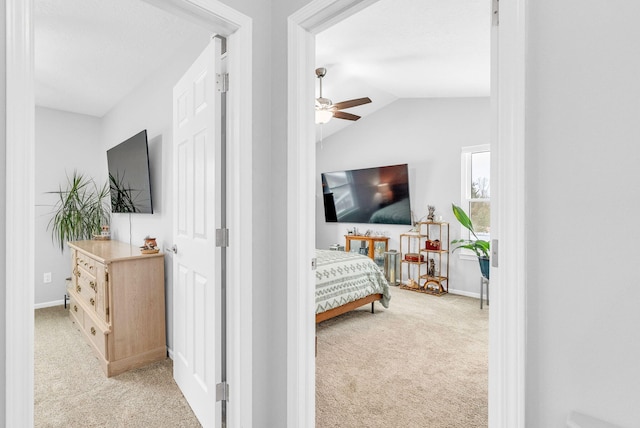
(19,334)
(507,318)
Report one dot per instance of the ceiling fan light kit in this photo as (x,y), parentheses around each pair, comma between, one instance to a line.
(323,116)
(325,109)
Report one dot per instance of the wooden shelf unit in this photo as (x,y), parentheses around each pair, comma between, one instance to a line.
(430,278)
(117,301)
(382,242)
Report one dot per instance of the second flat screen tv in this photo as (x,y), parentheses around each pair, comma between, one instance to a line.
(370,195)
(129,178)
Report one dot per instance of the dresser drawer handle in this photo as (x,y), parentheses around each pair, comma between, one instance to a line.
(93,286)
(93,331)
(75,308)
(77,273)
(93,302)
(78,288)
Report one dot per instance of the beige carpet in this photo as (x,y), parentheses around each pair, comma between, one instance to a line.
(422,363)
(71,390)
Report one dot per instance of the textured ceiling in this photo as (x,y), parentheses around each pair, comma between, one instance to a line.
(406,49)
(89,54)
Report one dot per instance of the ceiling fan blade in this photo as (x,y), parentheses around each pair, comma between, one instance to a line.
(345,115)
(351,103)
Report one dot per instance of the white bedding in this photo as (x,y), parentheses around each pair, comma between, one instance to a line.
(343,277)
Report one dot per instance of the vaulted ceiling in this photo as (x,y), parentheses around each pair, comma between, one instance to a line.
(406,49)
(89,54)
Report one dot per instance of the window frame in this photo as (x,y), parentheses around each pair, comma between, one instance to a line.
(465,191)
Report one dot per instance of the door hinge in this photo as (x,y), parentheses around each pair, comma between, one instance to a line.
(494,253)
(222,391)
(495,12)
(222,82)
(314,263)
(222,237)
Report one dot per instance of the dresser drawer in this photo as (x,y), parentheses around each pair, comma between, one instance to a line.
(86,285)
(96,335)
(75,312)
(87,263)
(91,289)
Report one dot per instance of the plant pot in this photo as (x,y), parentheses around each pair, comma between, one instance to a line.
(484,266)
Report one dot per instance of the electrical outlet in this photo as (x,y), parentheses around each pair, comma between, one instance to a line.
(47,277)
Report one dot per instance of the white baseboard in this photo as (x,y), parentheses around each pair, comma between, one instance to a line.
(465,293)
(579,420)
(48,304)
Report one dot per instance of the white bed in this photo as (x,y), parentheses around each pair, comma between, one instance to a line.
(345,281)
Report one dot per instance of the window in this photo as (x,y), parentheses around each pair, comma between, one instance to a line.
(476,189)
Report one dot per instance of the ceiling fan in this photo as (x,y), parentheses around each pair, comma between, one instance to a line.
(325,109)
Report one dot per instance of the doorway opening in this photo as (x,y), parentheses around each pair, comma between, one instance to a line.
(20,213)
(507,333)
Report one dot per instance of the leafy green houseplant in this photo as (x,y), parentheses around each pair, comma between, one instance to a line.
(80,210)
(480,247)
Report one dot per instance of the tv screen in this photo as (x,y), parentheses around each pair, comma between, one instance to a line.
(129,179)
(370,195)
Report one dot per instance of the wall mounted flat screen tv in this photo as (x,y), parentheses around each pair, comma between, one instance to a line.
(129,178)
(370,195)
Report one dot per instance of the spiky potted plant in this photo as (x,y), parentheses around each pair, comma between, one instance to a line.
(479,246)
(80,211)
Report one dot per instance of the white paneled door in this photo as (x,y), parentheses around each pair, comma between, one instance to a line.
(196,212)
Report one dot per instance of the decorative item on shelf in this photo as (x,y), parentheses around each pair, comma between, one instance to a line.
(432,209)
(433,286)
(414,257)
(412,284)
(150,246)
(432,245)
(431,270)
(104,235)
(480,247)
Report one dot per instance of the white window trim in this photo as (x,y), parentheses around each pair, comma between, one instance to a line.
(465,191)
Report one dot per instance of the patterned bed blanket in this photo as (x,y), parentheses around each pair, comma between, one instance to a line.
(343,277)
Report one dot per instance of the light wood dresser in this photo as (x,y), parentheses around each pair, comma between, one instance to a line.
(117,302)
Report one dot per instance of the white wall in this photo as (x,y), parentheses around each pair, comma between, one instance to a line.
(150,107)
(67,141)
(64,142)
(426,134)
(269,210)
(582,172)
(3,217)
(582,133)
